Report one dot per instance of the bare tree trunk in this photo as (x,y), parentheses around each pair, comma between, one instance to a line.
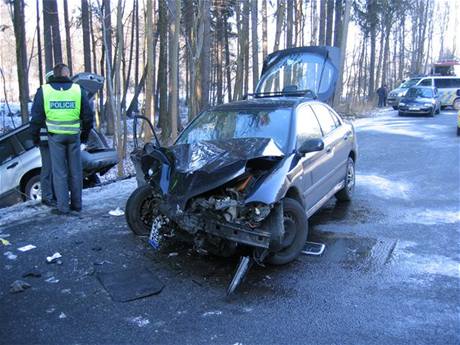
(245,15)
(264,29)
(338,29)
(280,12)
(57,48)
(322,22)
(289,22)
(21,58)
(67,37)
(314,23)
(330,21)
(343,48)
(206,51)
(227,63)
(238,90)
(107,22)
(255,48)
(86,35)
(47,35)
(373,37)
(219,50)
(174,28)
(150,82)
(39,45)
(163,65)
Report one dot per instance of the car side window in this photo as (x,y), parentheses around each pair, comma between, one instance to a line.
(425,82)
(325,118)
(307,125)
(7,150)
(25,139)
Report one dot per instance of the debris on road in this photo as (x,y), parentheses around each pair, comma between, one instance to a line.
(117,212)
(97,248)
(128,285)
(139,321)
(26,248)
(173,254)
(19,286)
(10,255)
(313,248)
(32,273)
(212,313)
(62,315)
(53,258)
(5,242)
(52,280)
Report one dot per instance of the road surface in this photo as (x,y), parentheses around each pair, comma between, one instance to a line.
(389,275)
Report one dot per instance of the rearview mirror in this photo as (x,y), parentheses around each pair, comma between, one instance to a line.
(311,145)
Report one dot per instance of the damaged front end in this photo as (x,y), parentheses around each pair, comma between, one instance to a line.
(202,189)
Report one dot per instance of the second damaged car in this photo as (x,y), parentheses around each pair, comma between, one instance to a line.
(250,173)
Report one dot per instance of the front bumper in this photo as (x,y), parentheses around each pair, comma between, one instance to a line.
(416,109)
(393,100)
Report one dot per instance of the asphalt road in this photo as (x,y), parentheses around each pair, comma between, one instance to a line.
(390,273)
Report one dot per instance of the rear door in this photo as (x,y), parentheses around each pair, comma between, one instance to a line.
(301,71)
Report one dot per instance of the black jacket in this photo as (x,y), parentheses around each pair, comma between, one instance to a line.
(38,111)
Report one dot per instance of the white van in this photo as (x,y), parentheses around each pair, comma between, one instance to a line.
(447,87)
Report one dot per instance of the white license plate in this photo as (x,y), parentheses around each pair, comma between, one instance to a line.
(414,108)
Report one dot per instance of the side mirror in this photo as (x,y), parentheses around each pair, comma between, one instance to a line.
(458,92)
(311,145)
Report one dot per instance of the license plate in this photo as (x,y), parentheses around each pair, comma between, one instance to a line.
(414,108)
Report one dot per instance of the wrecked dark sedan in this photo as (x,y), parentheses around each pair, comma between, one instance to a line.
(250,173)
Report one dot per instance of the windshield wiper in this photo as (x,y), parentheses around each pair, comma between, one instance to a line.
(304,93)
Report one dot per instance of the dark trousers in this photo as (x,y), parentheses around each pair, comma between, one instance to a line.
(67,170)
(381,101)
(46,175)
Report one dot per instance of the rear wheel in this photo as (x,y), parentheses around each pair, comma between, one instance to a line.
(346,193)
(33,190)
(295,233)
(141,208)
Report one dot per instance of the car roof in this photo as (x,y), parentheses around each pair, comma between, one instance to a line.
(262,103)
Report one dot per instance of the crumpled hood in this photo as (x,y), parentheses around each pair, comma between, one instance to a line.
(209,156)
(203,166)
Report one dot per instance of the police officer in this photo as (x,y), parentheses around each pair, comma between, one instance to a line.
(64,108)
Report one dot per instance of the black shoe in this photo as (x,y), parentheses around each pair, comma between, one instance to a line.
(76,209)
(59,212)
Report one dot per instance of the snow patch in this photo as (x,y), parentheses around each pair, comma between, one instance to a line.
(384,187)
(212,313)
(139,321)
(433,217)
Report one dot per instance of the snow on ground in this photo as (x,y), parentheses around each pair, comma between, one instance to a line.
(104,197)
(387,188)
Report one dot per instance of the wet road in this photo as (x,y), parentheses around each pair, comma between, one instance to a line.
(390,273)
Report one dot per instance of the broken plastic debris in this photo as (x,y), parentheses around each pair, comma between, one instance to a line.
(211,313)
(19,286)
(53,258)
(5,242)
(117,212)
(52,280)
(139,321)
(10,255)
(173,254)
(26,248)
(33,273)
(62,316)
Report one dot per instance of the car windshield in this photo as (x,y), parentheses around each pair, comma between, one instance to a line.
(408,83)
(222,125)
(419,93)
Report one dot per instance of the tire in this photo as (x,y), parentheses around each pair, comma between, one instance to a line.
(395,107)
(32,189)
(346,193)
(91,181)
(296,233)
(140,210)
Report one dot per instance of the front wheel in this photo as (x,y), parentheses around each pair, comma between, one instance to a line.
(295,233)
(141,208)
(346,193)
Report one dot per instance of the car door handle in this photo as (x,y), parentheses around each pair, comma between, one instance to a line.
(328,149)
(346,136)
(12,165)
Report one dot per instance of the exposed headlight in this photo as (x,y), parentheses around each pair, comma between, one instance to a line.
(402,103)
(402,93)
